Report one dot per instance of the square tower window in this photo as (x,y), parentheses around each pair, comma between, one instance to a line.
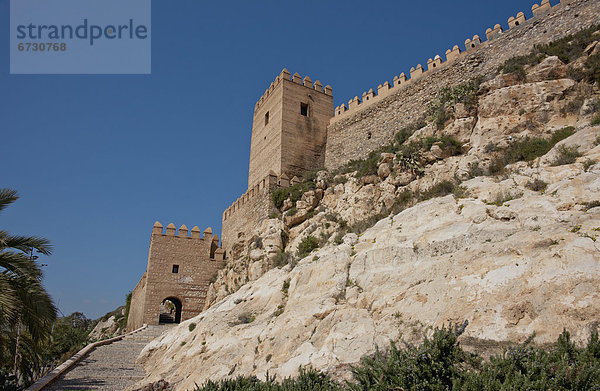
(175,268)
(267,118)
(304,109)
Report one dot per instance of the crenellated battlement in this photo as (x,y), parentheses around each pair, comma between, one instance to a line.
(183,232)
(263,188)
(297,79)
(399,82)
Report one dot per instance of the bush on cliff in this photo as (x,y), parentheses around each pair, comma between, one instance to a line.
(527,149)
(307,245)
(567,49)
(440,363)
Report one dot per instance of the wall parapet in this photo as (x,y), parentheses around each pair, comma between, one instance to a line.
(399,82)
(296,78)
(217,253)
(266,185)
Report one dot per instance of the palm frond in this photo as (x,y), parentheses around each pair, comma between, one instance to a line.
(25,243)
(18,264)
(7,197)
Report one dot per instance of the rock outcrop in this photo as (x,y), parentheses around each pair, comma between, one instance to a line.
(513,253)
(530,264)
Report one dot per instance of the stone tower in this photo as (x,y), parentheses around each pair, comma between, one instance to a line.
(289,129)
(180,268)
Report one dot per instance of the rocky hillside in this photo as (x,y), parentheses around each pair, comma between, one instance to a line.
(488,210)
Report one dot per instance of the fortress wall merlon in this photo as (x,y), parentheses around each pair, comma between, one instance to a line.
(341,112)
(368,95)
(398,80)
(351,135)
(171,229)
(542,8)
(183,231)
(318,86)
(472,43)
(195,232)
(435,63)
(516,21)
(307,82)
(493,33)
(453,54)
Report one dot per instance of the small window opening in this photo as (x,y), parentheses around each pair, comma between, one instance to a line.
(304,109)
(472,45)
(516,23)
(434,64)
(267,118)
(368,135)
(175,268)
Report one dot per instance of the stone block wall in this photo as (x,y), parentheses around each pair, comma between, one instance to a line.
(370,122)
(180,267)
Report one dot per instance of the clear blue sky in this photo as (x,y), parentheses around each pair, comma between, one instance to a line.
(98,159)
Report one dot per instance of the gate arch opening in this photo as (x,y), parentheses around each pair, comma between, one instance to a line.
(170,311)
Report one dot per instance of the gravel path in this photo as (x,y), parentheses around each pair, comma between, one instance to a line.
(109,367)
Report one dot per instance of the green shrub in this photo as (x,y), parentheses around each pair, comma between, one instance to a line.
(292,211)
(307,245)
(245,318)
(596,120)
(590,205)
(566,155)
(281,259)
(527,149)
(448,144)
(438,190)
(286,286)
(536,185)
(192,326)
(588,163)
(339,238)
(517,64)
(294,192)
(258,242)
(466,93)
(307,380)
(434,365)
(439,363)
(568,49)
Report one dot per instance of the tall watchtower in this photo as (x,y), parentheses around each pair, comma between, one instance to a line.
(289,129)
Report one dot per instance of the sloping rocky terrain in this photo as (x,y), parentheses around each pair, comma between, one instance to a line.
(489,212)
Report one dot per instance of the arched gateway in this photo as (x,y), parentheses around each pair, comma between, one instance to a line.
(180,268)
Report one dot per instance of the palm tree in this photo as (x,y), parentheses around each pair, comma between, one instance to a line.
(26,309)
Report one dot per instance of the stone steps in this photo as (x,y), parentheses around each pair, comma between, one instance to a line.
(109,367)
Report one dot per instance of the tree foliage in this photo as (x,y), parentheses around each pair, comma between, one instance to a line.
(26,309)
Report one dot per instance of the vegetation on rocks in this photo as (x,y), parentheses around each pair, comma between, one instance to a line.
(307,245)
(527,149)
(440,363)
(567,49)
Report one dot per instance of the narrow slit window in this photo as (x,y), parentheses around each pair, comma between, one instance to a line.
(175,269)
(267,118)
(304,109)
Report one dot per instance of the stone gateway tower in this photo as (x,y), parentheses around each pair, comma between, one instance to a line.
(289,129)
(179,270)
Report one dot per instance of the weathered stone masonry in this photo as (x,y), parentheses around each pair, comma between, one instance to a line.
(295,129)
(373,121)
(180,267)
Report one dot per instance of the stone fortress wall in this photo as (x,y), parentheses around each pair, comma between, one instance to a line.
(368,123)
(180,267)
(289,135)
(286,141)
